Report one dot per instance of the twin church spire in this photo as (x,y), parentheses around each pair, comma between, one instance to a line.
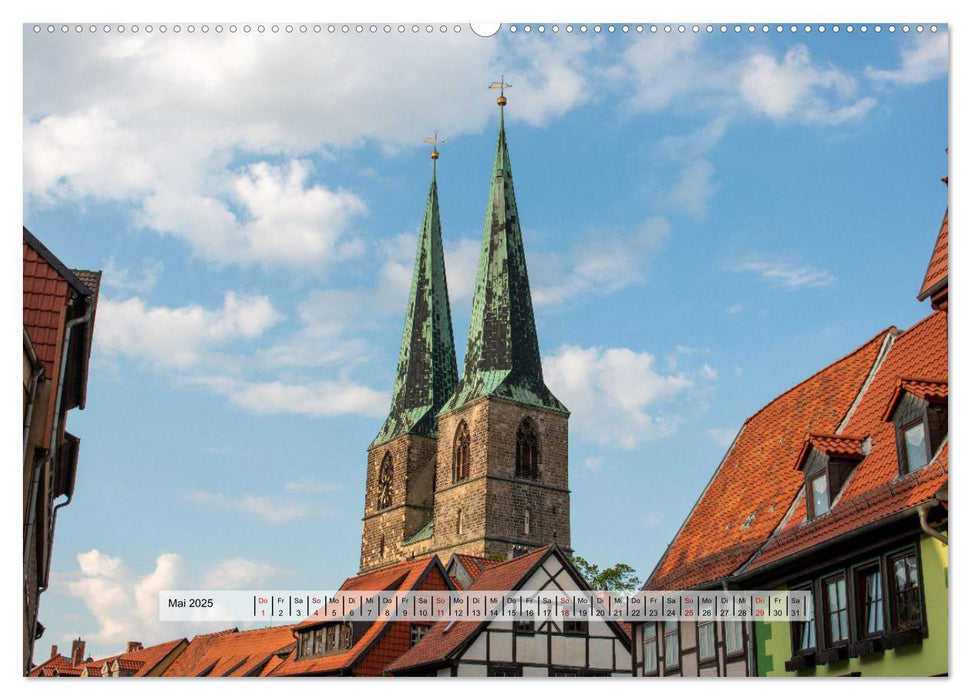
(502,352)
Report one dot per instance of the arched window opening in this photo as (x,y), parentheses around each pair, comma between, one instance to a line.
(381,548)
(385,478)
(526,521)
(460,457)
(458,523)
(527,451)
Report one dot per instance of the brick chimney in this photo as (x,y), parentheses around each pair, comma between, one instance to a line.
(53,650)
(133,646)
(77,652)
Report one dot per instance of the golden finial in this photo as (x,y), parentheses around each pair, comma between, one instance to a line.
(434,140)
(501,86)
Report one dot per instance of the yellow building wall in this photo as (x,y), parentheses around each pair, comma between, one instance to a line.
(774,644)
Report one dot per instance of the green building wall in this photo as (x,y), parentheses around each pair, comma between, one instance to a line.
(774,644)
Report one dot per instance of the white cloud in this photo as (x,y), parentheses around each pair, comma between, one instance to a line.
(100,124)
(794,88)
(129,280)
(652,520)
(694,188)
(608,263)
(593,463)
(282,219)
(313,398)
(461,267)
(267,509)
(733,309)
(239,574)
(617,396)
(789,275)
(923,60)
(310,485)
(179,336)
(124,603)
(723,436)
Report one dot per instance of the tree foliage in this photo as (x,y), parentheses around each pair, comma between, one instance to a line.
(619,577)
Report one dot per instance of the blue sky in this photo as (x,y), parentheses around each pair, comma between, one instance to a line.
(708,219)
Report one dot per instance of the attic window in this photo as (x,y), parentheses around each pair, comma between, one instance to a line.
(749,520)
(827,461)
(918,411)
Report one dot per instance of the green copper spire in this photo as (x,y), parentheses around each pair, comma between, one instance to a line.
(502,353)
(427,372)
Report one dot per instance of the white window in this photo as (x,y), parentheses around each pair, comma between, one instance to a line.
(916,446)
(672,645)
(706,641)
(733,637)
(820,495)
(650,648)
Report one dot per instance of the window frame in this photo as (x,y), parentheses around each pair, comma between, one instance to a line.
(674,633)
(461,453)
(421,629)
(797,626)
(385,496)
(821,472)
(905,453)
(524,628)
(527,450)
(892,593)
(829,642)
(860,572)
(713,656)
(501,671)
(581,631)
(655,646)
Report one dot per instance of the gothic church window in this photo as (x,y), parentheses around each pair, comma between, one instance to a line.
(385,477)
(460,457)
(527,451)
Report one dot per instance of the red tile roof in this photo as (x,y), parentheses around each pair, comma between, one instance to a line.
(405,576)
(46,294)
(875,490)
(446,637)
(476,565)
(231,652)
(935,279)
(52,667)
(923,388)
(752,488)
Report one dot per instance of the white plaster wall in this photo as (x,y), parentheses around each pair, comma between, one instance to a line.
(601,653)
(477,650)
(473,670)
(568,651)
(500,647)
(531,649)
(535,672)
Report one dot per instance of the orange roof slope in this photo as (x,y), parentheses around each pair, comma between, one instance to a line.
(756,481)
(874,490)
(476,565)
(46,293)
(231,652)
(936,276)
(405,576)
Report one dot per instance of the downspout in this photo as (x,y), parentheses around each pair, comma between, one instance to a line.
(922,510)
(37,372)
(52,449)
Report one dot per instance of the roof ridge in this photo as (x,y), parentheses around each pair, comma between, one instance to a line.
(55,262)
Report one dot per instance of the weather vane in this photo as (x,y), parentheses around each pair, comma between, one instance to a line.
(501,87)
(434,140)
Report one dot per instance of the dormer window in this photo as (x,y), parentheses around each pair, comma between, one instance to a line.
(918,410)
(827,461)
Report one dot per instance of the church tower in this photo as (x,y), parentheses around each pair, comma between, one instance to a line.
(399,495)
(502,466)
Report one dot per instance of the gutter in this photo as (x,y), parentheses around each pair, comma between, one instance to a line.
(811,550)
(52,448)
(35,376)
(922,510)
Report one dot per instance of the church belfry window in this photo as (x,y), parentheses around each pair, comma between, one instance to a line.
(527,451)
(460,456)
(385,478)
